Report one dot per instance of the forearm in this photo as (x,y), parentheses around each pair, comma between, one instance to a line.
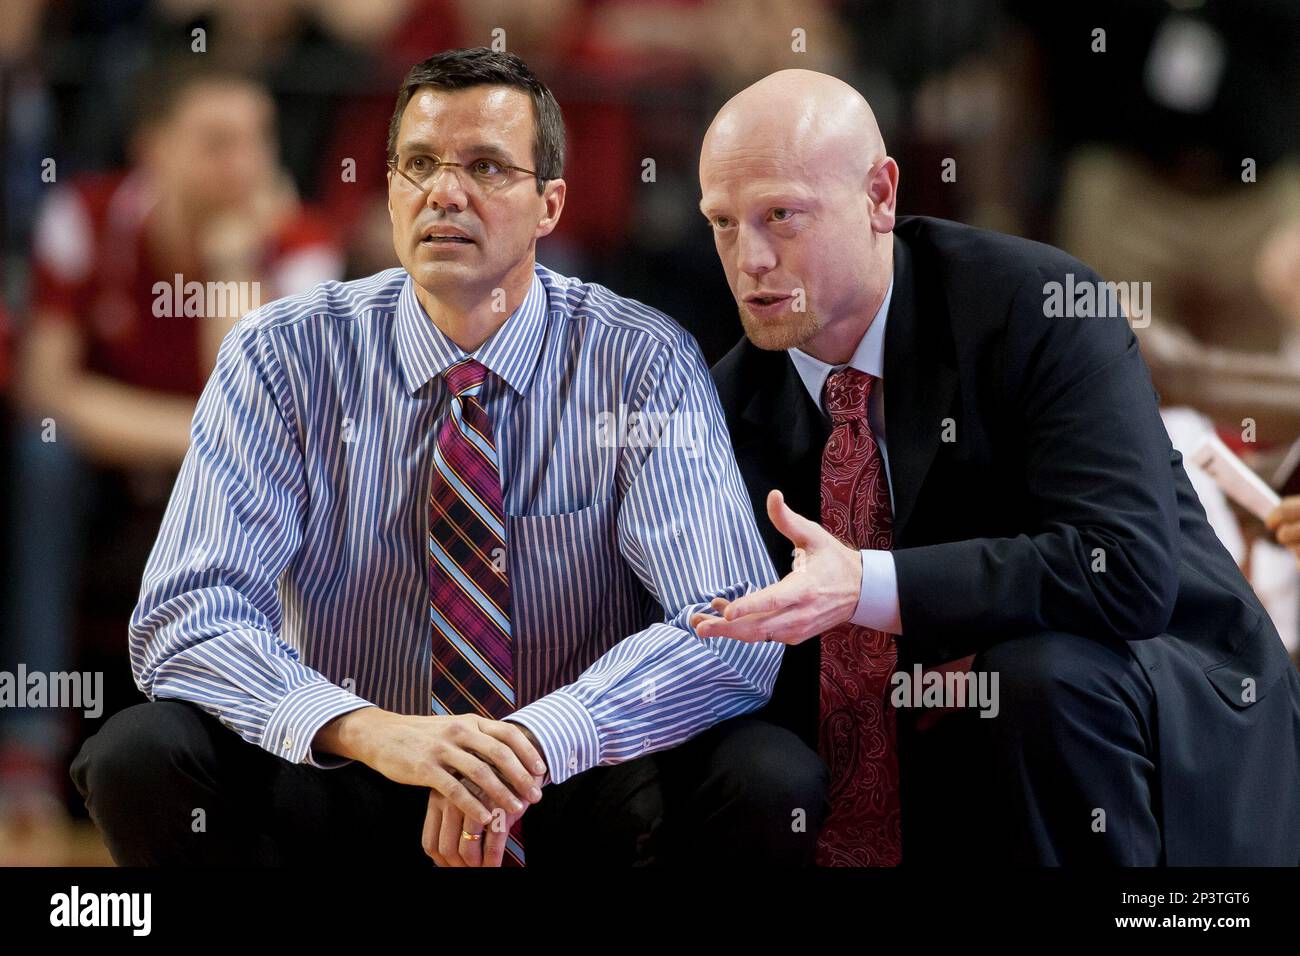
(351,735)
(651,691)
(1228,385)
(956,598)
(245,677)
(1273,407)
(660,686)
(119,424)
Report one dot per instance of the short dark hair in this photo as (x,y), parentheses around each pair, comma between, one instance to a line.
(479,66)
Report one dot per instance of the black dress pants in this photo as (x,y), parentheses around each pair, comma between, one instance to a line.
(1065,773)
(167,784)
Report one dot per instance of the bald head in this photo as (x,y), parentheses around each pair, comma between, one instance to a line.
(800,194)
(812,118)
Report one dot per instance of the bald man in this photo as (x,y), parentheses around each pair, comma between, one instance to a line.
(998,579)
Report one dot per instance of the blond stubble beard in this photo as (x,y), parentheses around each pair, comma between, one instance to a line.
(789,331)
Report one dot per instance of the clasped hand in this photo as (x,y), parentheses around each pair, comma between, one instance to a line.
(482,775)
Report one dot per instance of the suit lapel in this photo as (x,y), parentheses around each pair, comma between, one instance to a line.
(779,437)
(920,379)
(781,413)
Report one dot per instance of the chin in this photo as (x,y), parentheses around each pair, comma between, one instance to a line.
(433,273)
(789,331)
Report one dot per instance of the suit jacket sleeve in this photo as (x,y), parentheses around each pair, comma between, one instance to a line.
(1099,551)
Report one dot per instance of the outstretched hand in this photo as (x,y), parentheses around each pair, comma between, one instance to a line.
(819,593)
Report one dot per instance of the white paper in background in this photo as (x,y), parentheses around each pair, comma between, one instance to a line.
(1276,580)
(1235,478)
(1274,575)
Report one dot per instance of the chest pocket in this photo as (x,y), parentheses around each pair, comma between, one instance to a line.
(565,575)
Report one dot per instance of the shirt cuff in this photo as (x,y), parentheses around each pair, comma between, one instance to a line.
(566,732)
(300,714)
(878,593)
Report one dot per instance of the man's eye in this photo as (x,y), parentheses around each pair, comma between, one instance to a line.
(485,167)
(781,214)
(418,163)
(721,222)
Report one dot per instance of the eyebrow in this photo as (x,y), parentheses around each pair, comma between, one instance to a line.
(773,201)
(484,150)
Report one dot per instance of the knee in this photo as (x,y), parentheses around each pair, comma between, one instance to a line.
(135,752)
(1050,673)
(770,771)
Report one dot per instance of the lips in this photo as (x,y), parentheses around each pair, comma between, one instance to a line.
(445,236)
(766,305)
(764,298)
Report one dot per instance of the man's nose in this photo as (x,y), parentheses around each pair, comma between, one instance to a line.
(446,190)
(756,255)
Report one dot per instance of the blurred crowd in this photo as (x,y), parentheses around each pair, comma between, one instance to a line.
(243,141)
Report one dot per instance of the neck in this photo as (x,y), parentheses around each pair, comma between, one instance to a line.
(839,337)
(470,319)
(837,341)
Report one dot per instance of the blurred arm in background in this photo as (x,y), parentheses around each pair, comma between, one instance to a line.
(117,348)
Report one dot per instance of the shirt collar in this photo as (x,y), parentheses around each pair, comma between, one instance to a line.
(869,357)
(424,351)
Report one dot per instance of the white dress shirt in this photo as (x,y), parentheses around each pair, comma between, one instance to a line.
(878,593)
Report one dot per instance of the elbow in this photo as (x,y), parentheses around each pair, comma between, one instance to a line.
(1144,606)
(750,678)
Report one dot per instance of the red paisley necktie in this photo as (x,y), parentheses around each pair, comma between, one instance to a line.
(857,732)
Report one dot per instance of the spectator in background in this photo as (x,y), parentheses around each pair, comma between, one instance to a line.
(111,364)
(1182,169)
(1175,126)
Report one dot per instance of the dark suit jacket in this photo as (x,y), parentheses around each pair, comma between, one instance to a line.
(1059,450)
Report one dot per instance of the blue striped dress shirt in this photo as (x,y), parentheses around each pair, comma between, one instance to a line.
(289,581)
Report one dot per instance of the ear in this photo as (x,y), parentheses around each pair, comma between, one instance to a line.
(882,190)
(553,197)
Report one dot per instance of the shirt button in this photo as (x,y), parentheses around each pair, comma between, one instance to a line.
(645,744)
(288,743)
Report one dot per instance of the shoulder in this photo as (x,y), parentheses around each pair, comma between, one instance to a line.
(968,258)
(590,307)
(328,303)
(286,331)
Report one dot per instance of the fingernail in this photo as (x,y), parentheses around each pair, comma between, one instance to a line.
(535,794)
(518,806)
(539,767)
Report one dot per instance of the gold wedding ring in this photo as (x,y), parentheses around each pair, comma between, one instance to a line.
(470,836)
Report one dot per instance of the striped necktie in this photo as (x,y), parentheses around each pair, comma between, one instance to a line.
(469,594)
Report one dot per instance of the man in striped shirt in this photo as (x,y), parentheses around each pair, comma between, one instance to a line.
(526,473)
